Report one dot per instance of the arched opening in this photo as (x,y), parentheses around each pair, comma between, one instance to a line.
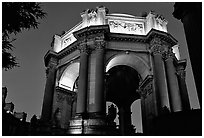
(124,74)
(122,83)
(130,60)
(69,77)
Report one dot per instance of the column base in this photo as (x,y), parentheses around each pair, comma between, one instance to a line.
(90,126)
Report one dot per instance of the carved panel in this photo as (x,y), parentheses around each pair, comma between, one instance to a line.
(146,87)
(118,26)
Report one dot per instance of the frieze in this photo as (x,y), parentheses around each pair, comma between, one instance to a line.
(126,27)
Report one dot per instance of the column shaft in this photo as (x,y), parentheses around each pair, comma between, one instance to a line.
(174,94)
(160,82)
(48,95)
(99,97)
(125,120)
(183,90)
(82,89)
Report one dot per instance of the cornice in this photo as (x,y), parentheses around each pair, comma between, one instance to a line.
(104,29)
(48,56)
(153,33)
(91,30)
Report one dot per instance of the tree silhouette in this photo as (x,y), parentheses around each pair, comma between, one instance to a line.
(17,16)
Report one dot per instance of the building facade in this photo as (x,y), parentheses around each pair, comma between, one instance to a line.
(116,58)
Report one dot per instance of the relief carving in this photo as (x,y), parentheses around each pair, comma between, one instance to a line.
(131,27)
(83,47)
(169,54)
(158,47)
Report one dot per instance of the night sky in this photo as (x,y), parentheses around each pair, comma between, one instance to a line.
(26,83)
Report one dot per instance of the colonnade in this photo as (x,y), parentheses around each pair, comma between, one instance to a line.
(167,80)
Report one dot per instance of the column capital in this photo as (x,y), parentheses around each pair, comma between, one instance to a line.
(168,55)
(83,48)
(100,44)
(155,41)
(156,46)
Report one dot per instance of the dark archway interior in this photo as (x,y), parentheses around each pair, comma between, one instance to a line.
(121,84)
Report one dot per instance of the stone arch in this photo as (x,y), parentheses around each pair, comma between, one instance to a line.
(131,60)
(69,76)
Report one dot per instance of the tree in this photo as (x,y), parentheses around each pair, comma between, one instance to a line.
(17,16)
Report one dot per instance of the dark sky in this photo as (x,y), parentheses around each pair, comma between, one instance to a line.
(26,83)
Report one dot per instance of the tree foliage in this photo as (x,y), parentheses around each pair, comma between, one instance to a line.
(17,16)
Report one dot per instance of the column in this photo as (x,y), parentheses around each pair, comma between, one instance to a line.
(49,91)
(183,89)
(125,120)
(83,76)
(99,96)
(159,75)
(173,87)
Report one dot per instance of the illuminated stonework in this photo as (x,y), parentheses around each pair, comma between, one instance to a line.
(116,58)
(118,23)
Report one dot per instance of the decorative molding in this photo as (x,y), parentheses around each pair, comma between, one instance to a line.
(100,44)
(155,41)
(83,47)
(157,49)
(127,27)
(168,55)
